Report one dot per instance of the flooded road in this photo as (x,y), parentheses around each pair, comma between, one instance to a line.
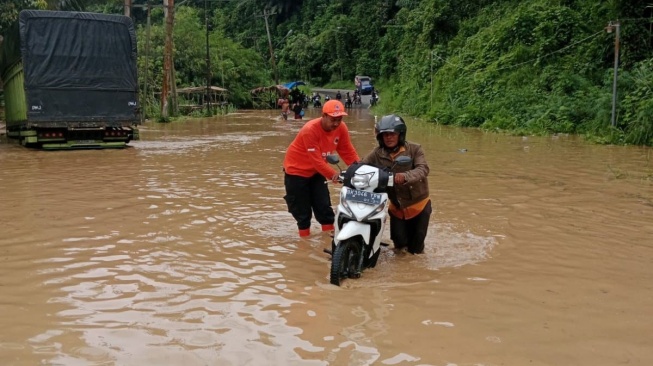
(179,251)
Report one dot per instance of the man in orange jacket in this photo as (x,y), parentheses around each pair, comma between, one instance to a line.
(306,169)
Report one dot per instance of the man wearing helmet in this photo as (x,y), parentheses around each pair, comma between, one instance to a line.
(306,169)
(410,203)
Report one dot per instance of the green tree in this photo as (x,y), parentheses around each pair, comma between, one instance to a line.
(9,10)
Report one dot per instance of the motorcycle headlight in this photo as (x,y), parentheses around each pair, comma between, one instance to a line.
(360,181)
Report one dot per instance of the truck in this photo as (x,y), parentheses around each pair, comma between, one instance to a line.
(363,84)
(70,80)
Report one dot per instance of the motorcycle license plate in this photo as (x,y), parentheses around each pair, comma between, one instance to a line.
(363,197)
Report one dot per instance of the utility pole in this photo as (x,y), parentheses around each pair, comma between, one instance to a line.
(650,22)
(274,62)
(169,9)
(339,48)
(614,26)
(169,87)
(431,94)
(208,62)
(148,7)
(147,57)
(128,8)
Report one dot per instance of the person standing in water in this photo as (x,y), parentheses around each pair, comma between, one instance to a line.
(410,202)
(285,108)
(307,171)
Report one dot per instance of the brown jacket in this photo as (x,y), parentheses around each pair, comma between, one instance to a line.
(416,187)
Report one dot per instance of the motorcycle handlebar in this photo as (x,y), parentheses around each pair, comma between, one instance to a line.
(341,178)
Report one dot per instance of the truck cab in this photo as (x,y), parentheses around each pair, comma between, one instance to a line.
(364,84)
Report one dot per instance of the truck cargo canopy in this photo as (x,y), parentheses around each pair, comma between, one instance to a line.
(79,66)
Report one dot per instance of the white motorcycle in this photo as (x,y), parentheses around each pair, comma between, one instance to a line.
(360,218)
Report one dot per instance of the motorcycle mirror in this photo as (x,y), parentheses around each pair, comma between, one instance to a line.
(333,159)
(403,160)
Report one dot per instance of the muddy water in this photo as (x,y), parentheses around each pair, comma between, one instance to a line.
(179,251)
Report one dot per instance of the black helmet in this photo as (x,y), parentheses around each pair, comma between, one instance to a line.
(390,123)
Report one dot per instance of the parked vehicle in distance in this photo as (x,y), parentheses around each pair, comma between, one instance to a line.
(70,80)
(364,84)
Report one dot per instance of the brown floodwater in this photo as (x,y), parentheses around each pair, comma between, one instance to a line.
(179,251)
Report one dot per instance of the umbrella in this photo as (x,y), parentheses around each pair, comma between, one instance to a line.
(293,84)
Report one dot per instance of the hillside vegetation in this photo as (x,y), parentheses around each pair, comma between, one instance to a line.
(521,66)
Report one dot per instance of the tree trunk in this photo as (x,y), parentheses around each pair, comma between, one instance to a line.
(174,104)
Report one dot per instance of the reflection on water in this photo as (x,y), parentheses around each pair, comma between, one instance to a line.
(179,250)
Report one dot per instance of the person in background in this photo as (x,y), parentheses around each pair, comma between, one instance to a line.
(285,108)
(348,101)
(297,109)
(410,202)
(338,95)
(305,100)
(296,95)
(317,100)
(307,171)
(357,97)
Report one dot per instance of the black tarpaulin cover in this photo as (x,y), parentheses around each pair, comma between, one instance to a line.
(79,66)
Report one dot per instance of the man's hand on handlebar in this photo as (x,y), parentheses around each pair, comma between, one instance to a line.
(400,178)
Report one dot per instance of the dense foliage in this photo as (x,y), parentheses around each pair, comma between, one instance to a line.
(530,66)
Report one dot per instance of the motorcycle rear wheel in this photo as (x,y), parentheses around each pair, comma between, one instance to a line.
(345,261)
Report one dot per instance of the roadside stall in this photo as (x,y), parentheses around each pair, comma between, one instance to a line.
(195,98)
(265,97)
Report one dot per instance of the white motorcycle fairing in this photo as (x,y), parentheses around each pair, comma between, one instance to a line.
(361,212)
(353,228)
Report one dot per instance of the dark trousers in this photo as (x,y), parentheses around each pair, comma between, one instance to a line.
(411,233)
(308,196)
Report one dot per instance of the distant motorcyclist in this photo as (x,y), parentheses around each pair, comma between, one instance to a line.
(317,100)
(410,202)
(338,95)
(374,98)
(357,97)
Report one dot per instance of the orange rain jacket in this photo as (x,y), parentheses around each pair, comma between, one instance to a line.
(306,155)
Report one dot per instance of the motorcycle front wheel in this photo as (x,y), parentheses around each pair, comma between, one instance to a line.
(345,261)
